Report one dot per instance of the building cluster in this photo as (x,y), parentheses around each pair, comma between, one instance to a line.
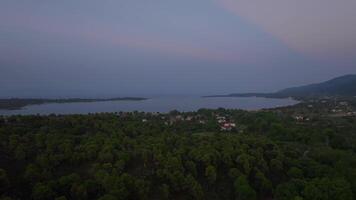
(301,118)
(188,118)
(225,123)
(343,109)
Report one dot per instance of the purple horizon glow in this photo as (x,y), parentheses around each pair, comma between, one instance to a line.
(86,47)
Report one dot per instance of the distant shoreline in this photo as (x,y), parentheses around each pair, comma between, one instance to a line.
(257,95)
(19,103)
(242,95)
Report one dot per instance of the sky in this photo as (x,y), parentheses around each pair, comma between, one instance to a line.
(94,48)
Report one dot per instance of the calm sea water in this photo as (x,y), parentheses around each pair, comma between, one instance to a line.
(161,104)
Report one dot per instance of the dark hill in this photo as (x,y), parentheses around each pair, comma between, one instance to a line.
(340,86)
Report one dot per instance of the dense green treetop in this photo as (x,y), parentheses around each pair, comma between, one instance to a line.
(119,156)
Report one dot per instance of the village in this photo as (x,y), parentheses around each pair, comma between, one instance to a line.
(225,123)
(310,109)
(232,121)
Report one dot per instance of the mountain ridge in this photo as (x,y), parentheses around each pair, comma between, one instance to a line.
(339,86)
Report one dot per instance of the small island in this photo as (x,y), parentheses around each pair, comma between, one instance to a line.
(19,103)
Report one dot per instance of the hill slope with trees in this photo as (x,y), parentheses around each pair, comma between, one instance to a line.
(140,156)
(341,86)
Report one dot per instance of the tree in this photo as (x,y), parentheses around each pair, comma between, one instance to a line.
(164,191)
(328,189)
(262,183)
(32,173)
(42,192)
(79,191)
(210,174)
(191,167)
(108,197)
(234,173)
(244,161)
(142,188)
(65,182)
(295,172)
(93,188)
(5,198)
(61,198)
(289,190)
(4,181)
(194,187)
(243,191)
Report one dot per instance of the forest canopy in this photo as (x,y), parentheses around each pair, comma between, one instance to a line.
(139,156)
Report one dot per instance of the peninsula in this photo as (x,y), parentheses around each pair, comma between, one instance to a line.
(19,103)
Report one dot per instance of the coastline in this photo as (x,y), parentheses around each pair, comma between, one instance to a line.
(20,103)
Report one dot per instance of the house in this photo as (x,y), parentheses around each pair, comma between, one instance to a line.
(189,118)
(299,118)
(202,122)
(336,110)
(228,126)
(220,117)
(343,103)
(220,121)
(179,117)
(172,120)
(155,114)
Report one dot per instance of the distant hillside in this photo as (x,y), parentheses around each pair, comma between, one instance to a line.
(341,86)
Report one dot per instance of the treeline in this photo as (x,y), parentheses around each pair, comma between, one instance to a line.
(110,156)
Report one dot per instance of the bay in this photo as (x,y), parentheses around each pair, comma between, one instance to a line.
(156,104)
